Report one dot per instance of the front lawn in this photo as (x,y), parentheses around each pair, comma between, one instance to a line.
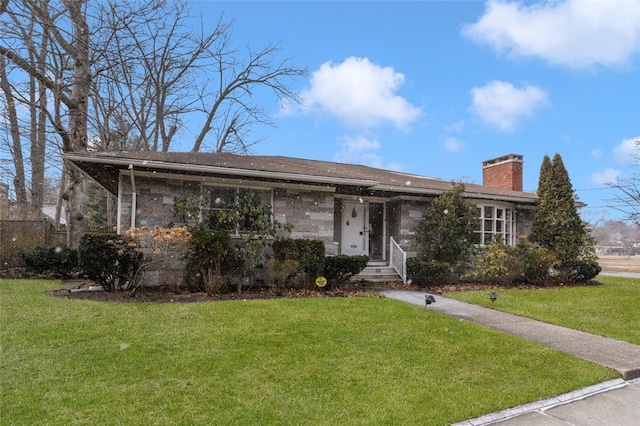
(611,309)
(299,361)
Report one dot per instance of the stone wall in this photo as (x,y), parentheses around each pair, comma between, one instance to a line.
(411,213)
(154,200)
(310,212)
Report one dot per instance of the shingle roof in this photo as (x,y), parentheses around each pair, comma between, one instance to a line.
(104,167)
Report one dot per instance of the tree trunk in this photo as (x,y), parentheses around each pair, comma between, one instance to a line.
(39,136)
(19,181)
(77,142)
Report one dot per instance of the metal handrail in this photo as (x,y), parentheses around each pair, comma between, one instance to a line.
(398,259)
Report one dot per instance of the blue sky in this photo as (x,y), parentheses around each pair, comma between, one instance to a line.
(434,87)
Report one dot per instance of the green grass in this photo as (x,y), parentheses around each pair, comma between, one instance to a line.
(611,309)
(304,361)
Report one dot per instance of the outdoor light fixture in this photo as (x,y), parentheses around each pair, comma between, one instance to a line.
(429,299)
(493,296)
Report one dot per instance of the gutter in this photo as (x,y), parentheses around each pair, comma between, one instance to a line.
(478,195)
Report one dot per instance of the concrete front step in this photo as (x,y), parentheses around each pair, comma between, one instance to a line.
(377,274)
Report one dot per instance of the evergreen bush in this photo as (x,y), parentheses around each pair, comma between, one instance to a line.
(339,269)
(308,252)
(58,262)
(110,260)
(446,232)
(280,272)
(557,225)
(428,272)
(210,259)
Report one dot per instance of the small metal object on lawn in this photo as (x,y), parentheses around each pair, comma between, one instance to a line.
(493,296)
(429,299)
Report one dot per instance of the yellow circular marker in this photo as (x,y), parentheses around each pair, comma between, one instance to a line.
(321,281)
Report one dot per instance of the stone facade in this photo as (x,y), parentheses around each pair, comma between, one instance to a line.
(312,213)
(411,213)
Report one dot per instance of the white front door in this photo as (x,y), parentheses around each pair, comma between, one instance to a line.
(355,229)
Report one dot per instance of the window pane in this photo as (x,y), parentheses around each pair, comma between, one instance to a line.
(262,195)
(476,238)
(488,226)
(499,213)
(221,198)
(499,226)
(488,212)
(255,208)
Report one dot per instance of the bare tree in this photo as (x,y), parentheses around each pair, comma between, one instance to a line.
(228,109)
(163,70)
(627,198)
(14,144)
(130,74)
(64,35)
(28,181)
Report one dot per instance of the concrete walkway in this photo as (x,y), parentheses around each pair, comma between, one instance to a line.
(612,403)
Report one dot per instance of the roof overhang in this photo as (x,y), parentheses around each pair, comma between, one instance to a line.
(100,168)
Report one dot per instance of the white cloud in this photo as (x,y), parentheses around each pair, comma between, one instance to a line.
(358,150)
(605,177)
(360,94)
(501,104)
(453,145)
(457,127)
(627,150)
(572,33)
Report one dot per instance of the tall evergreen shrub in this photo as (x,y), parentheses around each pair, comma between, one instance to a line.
(445,234)
(557,225)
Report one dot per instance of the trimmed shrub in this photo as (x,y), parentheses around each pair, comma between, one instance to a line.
(446,232)
(280,272)
(498,263)
(423,272)
(494,263)
(338,270)
(534,262)
(579,271)
(58,262)
(110,260)
(586,270)
(309,253)
(210,259)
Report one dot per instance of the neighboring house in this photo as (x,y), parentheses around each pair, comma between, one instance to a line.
(353,209)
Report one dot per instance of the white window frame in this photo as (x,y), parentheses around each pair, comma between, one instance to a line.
(206,195)
(495,220)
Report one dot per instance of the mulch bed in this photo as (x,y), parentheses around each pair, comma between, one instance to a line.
(165,295)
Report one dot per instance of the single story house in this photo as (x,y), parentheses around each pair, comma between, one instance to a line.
(353,209)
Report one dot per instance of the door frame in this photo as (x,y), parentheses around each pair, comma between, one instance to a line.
(347,206)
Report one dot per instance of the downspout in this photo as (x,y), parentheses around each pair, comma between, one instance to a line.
(119,218)
(134,197)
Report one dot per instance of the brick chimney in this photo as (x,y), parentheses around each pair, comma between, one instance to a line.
(503,172)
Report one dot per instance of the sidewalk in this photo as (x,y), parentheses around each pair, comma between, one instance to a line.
(612,403)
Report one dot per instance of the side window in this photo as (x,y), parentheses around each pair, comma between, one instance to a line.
(494,222)
(219,208)
(254,209)
(236,209)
